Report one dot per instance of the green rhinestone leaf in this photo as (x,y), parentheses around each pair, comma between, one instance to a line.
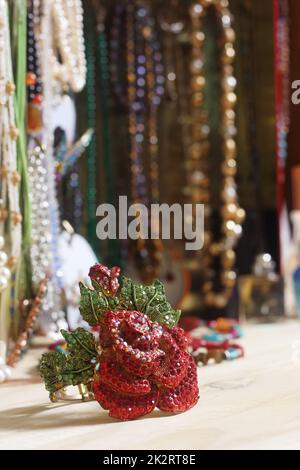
(80,342)
(127,294)
(94,303)
(73,368)
(150,300)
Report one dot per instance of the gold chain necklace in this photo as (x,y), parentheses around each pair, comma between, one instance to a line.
(198,165)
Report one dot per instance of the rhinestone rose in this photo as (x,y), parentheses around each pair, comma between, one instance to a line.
(143,365)
(106,278)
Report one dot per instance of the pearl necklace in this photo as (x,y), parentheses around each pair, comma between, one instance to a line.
(45,214)
(60,32)
(69,44)
(9,176)
(199,179)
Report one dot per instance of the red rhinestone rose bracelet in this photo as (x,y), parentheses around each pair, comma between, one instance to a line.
(139,360)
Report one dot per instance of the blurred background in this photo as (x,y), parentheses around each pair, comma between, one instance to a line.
(254,25)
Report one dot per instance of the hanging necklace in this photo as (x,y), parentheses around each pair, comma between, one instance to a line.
(20,286)
(145,89)
(104,101)
(282,86)
(67,180)
(10,216)
(175,46)
(155,90)
(91,154)
(117,64)
(41,256)
(70,70)
(231,214)
(45,213)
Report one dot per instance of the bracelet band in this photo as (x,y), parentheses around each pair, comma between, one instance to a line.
(84,394)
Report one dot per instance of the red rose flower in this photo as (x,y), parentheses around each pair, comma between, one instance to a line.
(143,365)
(106,278)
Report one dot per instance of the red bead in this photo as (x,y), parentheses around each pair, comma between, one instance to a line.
(38,99)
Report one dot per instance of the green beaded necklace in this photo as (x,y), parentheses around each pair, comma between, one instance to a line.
(113,245)
(98,79)
(91,123)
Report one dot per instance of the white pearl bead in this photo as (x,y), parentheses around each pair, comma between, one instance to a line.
(7,372)
(3,258)
(2,376)
(3,283)
(5,272)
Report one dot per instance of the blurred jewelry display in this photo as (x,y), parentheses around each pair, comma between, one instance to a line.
(5,371)
(198,164)
(104,99)
(145,82)
(214,341)
(175,42)
(52,316)
(10,216)
(98,94)
(31,317)
(10,179)
(70,70)
(51,33)
(261,293)
(67,176)
(76,255)
(282,96)
(116,56)
(42,182)
(91,154)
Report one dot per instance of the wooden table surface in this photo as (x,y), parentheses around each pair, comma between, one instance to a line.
(251,403)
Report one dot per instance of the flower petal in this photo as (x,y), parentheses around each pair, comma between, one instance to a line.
(134,359)
(184,396)
(173,367)
(125,406)
(112,374)
(104,337)
(180,337)
(106,278)
(140,363)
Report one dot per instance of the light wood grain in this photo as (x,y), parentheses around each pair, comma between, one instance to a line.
(253,403)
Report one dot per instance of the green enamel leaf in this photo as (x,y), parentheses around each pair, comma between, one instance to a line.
(150,300)
(73,368)
(93,304)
